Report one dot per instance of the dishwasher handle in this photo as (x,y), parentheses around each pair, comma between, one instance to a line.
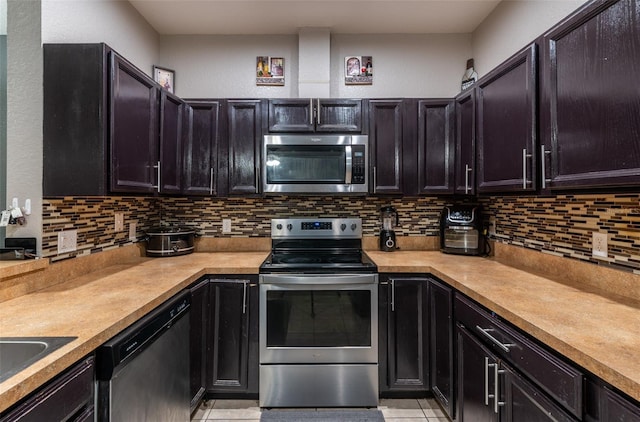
(122,348)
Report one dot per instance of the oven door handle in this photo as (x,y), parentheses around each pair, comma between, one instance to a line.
(323,279)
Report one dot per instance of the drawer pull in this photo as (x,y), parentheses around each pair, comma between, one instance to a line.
(485,332)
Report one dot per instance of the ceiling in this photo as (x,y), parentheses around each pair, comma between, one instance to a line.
(187,17)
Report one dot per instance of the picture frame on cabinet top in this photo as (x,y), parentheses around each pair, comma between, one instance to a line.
(165,77)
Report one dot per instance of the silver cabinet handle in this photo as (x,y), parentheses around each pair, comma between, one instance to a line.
(318,112)
(496,387)
(157,167)
(244,297)
(393,295)
(485,332)
(467,170)
(486,381)
(311,111)
(524,168)
(543,170)
(211,182)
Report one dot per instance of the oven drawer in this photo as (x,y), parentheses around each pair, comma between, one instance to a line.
(559,379)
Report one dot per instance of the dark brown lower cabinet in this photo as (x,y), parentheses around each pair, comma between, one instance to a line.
(441,344)
(602,404)
(69,397)
(403,334)
(233,337)
(199,318)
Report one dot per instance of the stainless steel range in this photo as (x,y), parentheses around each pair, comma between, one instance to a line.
(318,316)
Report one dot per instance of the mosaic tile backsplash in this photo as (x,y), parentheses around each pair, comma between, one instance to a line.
(560,224)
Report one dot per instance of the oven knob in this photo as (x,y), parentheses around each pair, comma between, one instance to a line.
(279,226)
(289,226)
(354,226)
(343,226)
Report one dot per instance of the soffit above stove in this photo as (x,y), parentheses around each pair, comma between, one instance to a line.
(251,17)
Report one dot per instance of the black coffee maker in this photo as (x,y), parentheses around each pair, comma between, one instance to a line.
(390,219)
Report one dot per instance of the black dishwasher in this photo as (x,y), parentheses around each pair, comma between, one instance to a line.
(143,373)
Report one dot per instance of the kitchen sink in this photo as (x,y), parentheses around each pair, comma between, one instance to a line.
(17,353)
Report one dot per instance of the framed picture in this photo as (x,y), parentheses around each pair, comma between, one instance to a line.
(165,77)
(358,70)
(269,70)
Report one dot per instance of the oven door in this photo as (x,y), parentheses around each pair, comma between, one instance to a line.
(318,318)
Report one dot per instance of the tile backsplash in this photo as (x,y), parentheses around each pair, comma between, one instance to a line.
(559,224)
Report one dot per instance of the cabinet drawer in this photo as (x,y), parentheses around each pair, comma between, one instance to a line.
(59,400)
(560,380)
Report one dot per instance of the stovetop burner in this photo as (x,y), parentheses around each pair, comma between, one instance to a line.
(317,245)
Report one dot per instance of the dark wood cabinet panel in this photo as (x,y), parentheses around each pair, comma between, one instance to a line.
(407,334)
(173,136)
(233,351)
(245,139)
(475,379)
(199,319)
(315,115)
(204,172)
(386,144)
(441,344)
(590,120)
(134,110)
(465,164)
(69,396)
(506,101)
(436,146)
(76,120)
(616,408)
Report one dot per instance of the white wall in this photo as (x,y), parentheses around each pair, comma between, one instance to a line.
(114,22)
(428,65)
(404,65)
(225,66)
(514,24)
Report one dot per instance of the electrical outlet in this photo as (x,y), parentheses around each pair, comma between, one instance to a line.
(492,225)
(119,222)
(67,241)
(226,225)
(133,228)
(599,245)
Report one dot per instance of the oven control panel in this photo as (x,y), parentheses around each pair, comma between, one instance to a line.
(305,228)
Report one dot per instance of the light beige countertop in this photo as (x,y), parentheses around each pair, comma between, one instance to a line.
(596,330)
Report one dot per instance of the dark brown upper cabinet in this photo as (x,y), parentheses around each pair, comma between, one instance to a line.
(204,168)
(173,137)
(245,140)
(386,146)
(590,108)
(436,146)
(464,178)
(507,126)
(134,111)
(315,115)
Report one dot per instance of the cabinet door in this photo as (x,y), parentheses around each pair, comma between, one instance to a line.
(201,169)
(408,336)
(383,335)
(436,147)
(291,115)
(441,344)
(229,336)
(385,140)
(615,408)
(506,125)
(199,317)
(476,380)
(172,137)
(334,115)
(134,128)
(465,143)
(525,403)
(245,139)
(591,97)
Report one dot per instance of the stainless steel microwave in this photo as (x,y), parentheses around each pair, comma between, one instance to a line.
(315,164)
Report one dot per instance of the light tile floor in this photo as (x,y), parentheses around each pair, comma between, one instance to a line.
(394,410)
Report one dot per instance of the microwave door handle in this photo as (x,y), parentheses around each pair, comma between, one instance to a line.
(349,165)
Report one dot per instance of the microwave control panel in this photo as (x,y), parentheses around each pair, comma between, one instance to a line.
(358,164)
